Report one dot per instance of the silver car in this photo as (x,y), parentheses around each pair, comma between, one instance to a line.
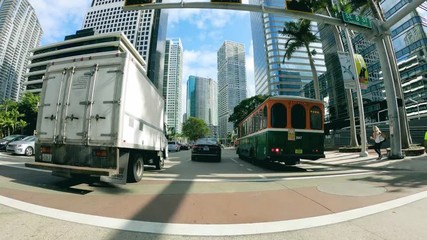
(24,146)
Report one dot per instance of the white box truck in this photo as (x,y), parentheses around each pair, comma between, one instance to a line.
(100,115)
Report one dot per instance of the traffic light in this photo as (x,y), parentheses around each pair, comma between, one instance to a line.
(137,2)
(226,1)
(299,5)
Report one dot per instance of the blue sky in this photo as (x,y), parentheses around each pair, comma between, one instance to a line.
(202,32)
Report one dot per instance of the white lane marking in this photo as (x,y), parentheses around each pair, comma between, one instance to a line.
(211,229)
(245,177)
(264,178)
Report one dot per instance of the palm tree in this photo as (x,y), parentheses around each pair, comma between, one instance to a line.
(300,35)
(374,6)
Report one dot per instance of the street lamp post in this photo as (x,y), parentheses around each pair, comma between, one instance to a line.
(418,106)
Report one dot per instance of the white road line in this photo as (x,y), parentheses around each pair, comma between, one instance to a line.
(211,229)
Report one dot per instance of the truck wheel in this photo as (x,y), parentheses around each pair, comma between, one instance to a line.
(135,169)
(159,162)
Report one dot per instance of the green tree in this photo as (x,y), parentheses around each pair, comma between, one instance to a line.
(10,121)
(245,107)
(28,106)
(195,128)
(300,36)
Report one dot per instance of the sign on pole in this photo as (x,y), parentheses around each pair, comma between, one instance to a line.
(356,20)
(347,70)
(362,71)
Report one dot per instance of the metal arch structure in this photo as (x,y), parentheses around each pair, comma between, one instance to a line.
(379,28)
(250,8)
(377,34)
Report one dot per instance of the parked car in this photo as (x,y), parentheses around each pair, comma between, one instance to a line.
(23,146)
(6,140)
(206,148)
(184,146)
(174,146)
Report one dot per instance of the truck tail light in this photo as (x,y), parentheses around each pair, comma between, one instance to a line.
(100,153)
(45,149)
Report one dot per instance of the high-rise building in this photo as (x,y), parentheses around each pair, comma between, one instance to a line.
(409,38)
(202,98)
(146,29)
(20,31)
(172,83)
(272,75)
(231,81)
(80,46)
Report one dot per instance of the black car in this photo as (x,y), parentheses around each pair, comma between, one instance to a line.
(206,148)
(11,138)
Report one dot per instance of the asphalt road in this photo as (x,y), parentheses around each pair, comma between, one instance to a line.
(340,197)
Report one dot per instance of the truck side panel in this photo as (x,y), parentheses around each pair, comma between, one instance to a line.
(143,112)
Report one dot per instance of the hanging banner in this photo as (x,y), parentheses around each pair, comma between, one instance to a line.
(362,71)
(347,70)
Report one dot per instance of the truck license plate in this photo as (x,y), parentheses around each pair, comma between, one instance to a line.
(298,151)
(47,157)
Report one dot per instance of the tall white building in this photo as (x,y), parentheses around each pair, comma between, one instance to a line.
(146,29)
(231,82)
(20,31)
(202,98)
(172,83)
(272,76)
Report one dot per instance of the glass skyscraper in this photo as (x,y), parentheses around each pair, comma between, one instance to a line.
(202,97)
(409,38)
(272,76)
(20,31)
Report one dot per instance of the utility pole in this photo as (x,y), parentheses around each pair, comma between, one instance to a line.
(363,152)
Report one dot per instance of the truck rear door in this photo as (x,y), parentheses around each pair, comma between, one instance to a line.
(81,101)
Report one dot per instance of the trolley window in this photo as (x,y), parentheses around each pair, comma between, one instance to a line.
(264,120)
(278,116)
(315,118)
(298,116)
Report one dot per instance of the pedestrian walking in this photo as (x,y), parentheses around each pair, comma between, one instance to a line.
(378,137)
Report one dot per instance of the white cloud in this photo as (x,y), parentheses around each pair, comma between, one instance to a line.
(202,18)
(59,18)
